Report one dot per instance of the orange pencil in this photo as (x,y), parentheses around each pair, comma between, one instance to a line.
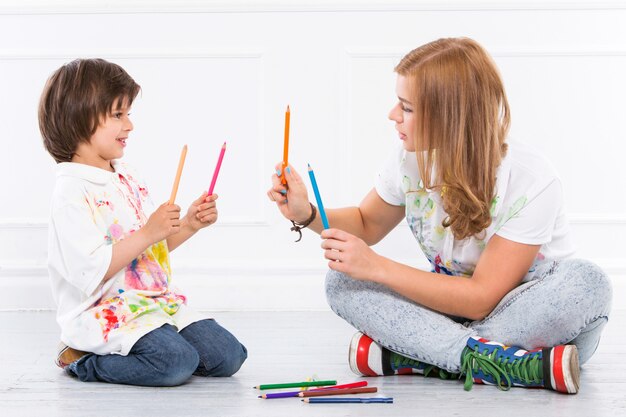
(181,163)
(320,393)
(286,146)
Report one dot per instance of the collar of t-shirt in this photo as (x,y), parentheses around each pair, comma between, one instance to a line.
(90,173)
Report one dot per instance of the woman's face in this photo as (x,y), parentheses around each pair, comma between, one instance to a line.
(402,113)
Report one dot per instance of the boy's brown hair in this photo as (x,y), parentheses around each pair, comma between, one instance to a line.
(76,98)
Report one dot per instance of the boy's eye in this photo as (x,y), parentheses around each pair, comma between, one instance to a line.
(117,115)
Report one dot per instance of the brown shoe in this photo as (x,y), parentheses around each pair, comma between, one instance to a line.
(67,355)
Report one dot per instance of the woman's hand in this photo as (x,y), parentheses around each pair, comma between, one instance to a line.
(202,212)
(350,255)
(291,199)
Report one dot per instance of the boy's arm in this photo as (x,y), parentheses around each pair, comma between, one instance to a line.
(201,213)
(186,231)
(163,223)
(125,251)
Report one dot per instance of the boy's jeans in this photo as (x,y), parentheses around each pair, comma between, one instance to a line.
(566,301)
(165,357)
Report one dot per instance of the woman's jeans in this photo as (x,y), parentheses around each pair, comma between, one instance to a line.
(166,357)
(566,301)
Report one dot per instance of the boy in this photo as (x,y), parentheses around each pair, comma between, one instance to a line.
(122,320)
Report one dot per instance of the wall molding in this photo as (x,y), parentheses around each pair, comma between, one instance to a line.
(612,266)
(170,54)
(527,52)
(574,219)
(229,287)
(15,269)
(226,53)
(51,7)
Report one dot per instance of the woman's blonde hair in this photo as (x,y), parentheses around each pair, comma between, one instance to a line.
(462,118)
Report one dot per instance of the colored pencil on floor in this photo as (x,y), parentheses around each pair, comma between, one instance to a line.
(296,384)
(344,391)
(373,400)
(350,385)
(318,198)
(289,394)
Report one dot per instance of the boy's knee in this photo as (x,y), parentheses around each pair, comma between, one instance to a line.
(233,361)
(177,365)
(230,362)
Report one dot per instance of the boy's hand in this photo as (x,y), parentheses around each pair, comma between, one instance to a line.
(292,200)
(202,212)
(164,222)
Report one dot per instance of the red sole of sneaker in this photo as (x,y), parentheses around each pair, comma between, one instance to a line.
(359,354)
(565,369)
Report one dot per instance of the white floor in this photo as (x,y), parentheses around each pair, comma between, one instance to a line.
(285,347)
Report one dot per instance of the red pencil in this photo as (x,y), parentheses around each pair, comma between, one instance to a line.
(350,385)
(344,391)
(217,169)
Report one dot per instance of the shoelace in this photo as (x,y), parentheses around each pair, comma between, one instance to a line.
(526,369)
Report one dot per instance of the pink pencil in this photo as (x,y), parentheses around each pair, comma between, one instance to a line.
(217,169)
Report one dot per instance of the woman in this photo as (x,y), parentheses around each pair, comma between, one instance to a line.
(504,303)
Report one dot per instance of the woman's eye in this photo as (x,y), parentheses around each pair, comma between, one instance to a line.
(406,109)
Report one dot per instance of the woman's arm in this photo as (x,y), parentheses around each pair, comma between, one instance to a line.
(372,220)
(501,267)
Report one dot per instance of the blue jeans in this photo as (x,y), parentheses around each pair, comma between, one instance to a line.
(165,357)
(566,301)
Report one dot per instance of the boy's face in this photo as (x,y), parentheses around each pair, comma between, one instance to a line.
(109,140)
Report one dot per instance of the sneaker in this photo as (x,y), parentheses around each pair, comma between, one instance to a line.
(487,362)
(67,355)
(368,358)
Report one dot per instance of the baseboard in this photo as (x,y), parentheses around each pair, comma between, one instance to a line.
(230,287)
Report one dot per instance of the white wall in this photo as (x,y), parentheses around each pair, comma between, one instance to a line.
(214,71)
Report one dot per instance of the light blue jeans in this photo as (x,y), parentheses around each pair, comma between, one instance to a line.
(566,301)
(166,357)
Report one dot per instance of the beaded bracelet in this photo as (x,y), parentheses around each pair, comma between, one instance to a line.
(297,227)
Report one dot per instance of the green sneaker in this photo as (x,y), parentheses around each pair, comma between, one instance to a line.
(487,362)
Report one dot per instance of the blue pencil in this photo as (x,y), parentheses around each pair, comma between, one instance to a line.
(380,400)
(318,198)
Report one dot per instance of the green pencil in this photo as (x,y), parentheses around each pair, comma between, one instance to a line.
(296,384)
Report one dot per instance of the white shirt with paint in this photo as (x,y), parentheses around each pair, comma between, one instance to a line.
(91,210)
(528,208)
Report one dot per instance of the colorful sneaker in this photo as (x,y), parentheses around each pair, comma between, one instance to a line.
(67,355)
(368,358)
(487,362)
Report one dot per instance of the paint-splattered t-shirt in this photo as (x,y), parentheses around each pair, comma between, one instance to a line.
(91,210)
(528,208)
